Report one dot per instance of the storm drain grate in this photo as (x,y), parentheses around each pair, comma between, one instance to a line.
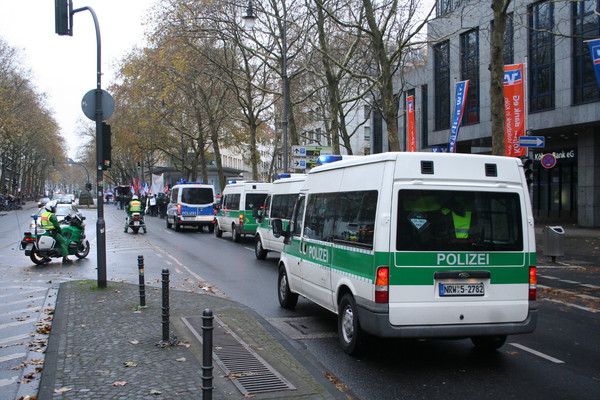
(248,371)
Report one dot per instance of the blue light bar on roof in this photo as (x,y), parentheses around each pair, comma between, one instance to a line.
(328,159)
(284,176)
(181,181)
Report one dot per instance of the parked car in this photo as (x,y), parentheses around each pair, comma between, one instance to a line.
(67,199)
(42,202)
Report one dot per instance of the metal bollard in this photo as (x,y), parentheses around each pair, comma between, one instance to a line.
(142,282)
(207,347)
(165,305)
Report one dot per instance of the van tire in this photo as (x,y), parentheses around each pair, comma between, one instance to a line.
(287,299)
(176,226)
(489,343)
(218,231)
(259,250)
(168,223)
(349,331)
(211,228)
(235,235)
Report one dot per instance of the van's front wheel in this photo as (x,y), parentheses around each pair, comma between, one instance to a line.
(259,250)
(489,343)
(348,326)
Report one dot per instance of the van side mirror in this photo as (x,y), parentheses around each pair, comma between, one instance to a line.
(216,206)
(257,214)
(278,230)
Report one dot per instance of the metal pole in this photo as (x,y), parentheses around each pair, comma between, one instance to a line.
(165,306)
(100,223)
(141,281)
(285,89)
(207,346)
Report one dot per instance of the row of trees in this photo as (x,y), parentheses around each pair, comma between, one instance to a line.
(29,136)
(204,82)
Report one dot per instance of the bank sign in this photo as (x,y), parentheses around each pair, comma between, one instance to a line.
(562,156)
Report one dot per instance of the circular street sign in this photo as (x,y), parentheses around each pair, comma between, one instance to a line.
(88,105)
(548,161)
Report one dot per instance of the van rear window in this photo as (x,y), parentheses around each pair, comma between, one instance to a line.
(435,220)
(197,195)
(254,201)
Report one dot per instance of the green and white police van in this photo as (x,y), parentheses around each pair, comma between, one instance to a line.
(279,204)
(414,245)
(191,204)
(238,201)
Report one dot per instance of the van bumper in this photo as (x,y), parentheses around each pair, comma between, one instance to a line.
(374,319)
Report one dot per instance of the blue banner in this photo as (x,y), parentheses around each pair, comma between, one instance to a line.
(595,52)
(459,108)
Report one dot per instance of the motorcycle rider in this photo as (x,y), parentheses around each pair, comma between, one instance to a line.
(135,205)
(50,223)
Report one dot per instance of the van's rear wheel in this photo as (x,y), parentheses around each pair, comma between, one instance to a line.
(259,251)
(348,326)
(235,235)
(489,343)
(287,299)
(218,231)
(168,224)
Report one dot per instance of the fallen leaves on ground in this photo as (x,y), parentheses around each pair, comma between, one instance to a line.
(119,383)
(130,364)
(335,381)
(155,392)
(182,359)
(44,330)
(134,342)
(62,390)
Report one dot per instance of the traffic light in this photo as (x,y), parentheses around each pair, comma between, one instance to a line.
(88,186)
(63,17)
(106,146)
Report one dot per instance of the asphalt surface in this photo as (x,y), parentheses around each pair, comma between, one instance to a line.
(103,345)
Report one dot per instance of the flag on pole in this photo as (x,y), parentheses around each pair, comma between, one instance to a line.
(514,109)
(462,88)
(412,133)
(595,53)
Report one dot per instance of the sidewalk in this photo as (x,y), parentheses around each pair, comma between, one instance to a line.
(101,346)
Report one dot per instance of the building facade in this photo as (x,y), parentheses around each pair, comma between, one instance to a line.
(562,94)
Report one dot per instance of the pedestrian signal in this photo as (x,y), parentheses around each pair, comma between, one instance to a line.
(63,17)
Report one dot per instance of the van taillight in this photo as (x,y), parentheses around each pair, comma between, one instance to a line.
(178,209)
(532,282)
(241,219)
(382,285)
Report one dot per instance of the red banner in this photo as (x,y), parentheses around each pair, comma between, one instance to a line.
(412,131)
(514,109)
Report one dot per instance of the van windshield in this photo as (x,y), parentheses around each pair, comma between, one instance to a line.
(436,220)
(197,195)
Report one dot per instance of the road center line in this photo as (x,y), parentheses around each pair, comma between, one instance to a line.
(537,353)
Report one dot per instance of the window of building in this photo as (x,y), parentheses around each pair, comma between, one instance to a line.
(441,71)
(469,68)
(367,130)
(586,25)
(541,56)
(366,111)
(424,112)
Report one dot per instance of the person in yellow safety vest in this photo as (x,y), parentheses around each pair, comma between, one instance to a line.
(461,219)
(135,205)
(50,224)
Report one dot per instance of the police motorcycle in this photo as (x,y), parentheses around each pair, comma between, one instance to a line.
(41,247)
(135,221)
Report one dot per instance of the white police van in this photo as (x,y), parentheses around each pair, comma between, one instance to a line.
(236,212)
(414,245)
(279,204)
(191,204)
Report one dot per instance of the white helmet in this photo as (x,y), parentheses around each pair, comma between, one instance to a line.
(134,197)
(51,205)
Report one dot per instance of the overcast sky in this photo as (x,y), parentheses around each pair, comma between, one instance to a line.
(64,67)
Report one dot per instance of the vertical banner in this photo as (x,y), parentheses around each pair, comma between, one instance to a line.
(514,109)
(459,108)
(595,53)
(158,184)
(412,132)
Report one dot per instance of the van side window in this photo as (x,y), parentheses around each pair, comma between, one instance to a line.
(233,201)
(298,216)
(254,201)
(174,195)
(267,206)
(283,205)
(436,220)
(347,217)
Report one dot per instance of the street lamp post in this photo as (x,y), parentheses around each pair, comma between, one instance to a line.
(249,21)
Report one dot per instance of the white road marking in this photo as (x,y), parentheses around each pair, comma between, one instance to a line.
(22,310)
(583,296)
(537,353)
(6,382)
(573,305)
(17,323)
(248,248)
(562,266)
(23,301)
(12,356)
(14,338)
(21,291)
(587,285)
